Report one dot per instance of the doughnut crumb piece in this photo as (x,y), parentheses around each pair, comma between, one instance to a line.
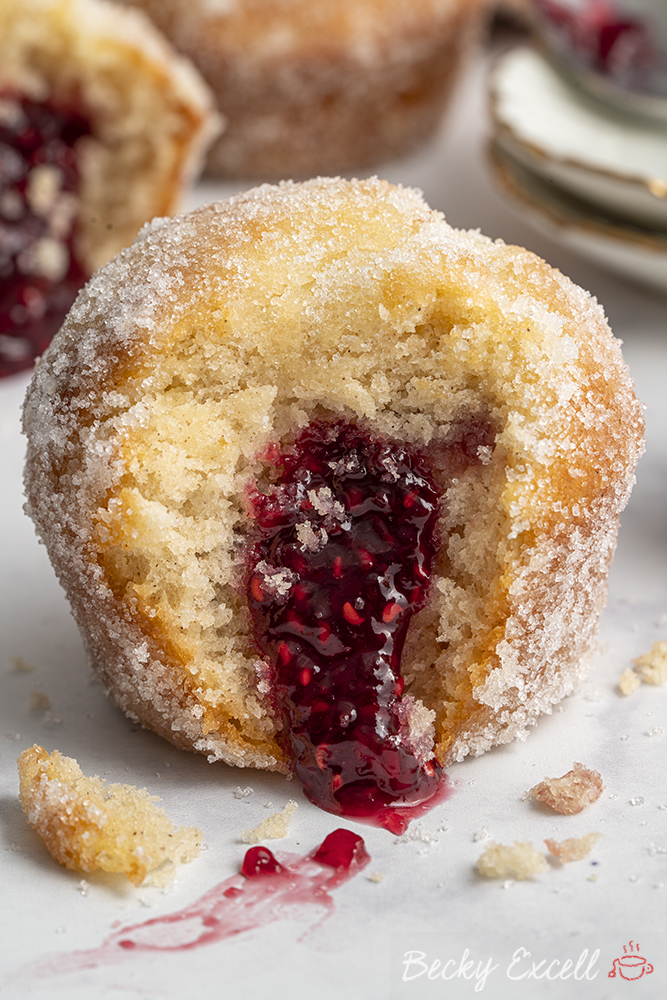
(89,826)
(573,848)
(519,860)
(652,666)
(274,827)
(628,682)
(570,794)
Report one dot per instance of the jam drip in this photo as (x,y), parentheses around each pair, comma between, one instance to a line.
(347,542)
(39,181)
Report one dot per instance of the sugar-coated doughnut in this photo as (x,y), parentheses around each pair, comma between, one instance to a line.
(102,125)
(316,88)
(288,425)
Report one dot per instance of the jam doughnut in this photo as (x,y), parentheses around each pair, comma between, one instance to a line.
(333,488)
(101,126)
(317,88)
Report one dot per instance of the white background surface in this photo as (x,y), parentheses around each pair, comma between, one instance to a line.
(430,899)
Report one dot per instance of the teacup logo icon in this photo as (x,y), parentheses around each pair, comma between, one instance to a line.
(631,965)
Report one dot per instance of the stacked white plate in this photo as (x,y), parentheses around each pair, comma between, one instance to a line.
(592,177)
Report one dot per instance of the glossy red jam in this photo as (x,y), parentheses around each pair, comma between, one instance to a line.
(39,181)
(347,541)
(343,850)
(260,861)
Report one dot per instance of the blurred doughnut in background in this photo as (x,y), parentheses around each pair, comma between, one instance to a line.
(321,87)
(102,126)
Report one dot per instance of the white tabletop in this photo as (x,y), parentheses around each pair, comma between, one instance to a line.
(430,899)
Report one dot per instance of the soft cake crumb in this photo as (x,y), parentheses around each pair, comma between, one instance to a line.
(652,666)
(273,827)
(519,861)
(89,826)
(629,681)
(574,848)
(376,877)
(570,794)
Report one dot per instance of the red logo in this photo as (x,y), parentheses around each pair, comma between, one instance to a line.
(631,965)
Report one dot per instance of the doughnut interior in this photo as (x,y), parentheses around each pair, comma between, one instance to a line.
(215,339)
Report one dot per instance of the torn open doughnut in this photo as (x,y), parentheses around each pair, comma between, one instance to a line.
(102,125)
(333,488)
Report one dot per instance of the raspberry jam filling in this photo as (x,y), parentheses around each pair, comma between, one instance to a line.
(347,539)
(39,181)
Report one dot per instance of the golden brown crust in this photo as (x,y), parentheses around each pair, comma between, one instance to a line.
(151,115)
(315,88)
(221,333)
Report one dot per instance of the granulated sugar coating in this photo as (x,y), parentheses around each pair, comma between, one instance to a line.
(197,357)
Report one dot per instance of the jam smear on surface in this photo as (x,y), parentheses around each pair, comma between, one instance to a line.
(347,540)
(294,887)
(39,181)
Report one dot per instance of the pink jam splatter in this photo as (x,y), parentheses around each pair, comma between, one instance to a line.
(266,889)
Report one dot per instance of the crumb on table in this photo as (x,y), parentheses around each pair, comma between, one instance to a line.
(273,827)
(39,701)
(21,665)
(570,794)
(88,825)
(629,681)
(652,666)
(519,860)
(573,848)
